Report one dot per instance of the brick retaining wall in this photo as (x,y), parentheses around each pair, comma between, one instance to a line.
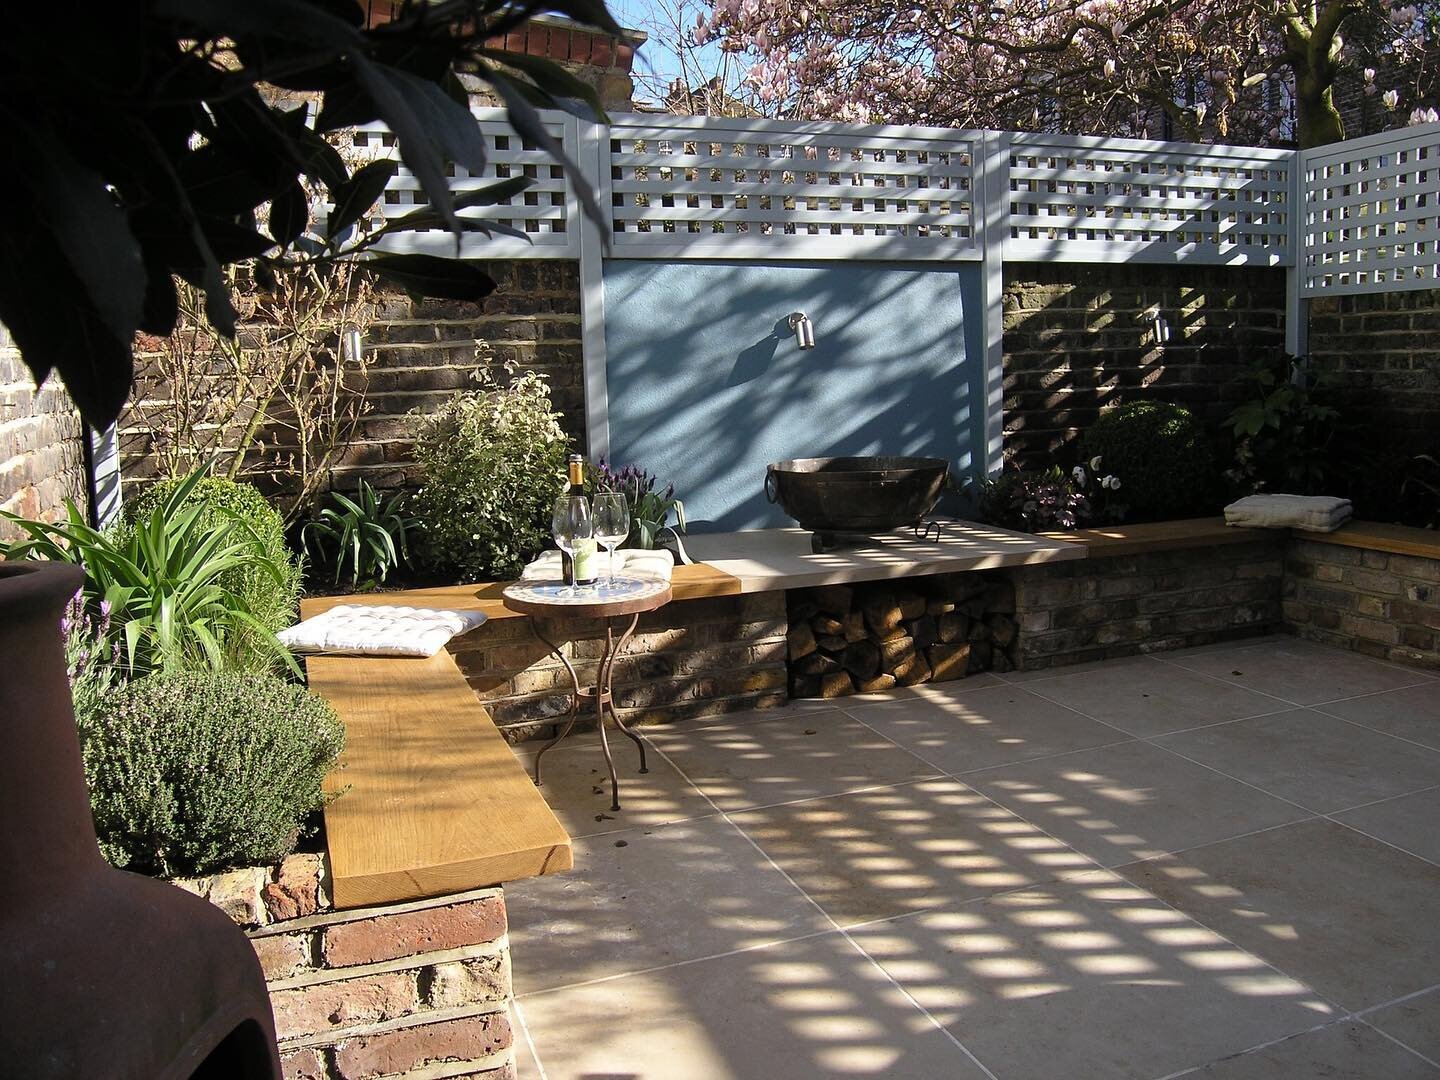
(1373,602)
(1102,607)
(405,990)
(690,658)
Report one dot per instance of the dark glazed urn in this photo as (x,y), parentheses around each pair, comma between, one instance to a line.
(105,974)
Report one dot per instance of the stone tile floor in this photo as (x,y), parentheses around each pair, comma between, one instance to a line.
(1220,863)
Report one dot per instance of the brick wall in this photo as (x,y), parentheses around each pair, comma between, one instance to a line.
(1101,607)
(405,990)
(601,60)
(1380,355)
(1074,344)
(41,458)
(691,658)
(1373,602)
(422,352)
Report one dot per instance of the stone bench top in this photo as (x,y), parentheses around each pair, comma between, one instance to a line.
(767,559)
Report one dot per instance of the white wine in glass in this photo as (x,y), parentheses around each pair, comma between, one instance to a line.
(571,522)
(611,516)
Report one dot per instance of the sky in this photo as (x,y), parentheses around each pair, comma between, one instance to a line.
(656,64)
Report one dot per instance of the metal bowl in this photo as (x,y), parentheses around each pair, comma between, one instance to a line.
(856,494)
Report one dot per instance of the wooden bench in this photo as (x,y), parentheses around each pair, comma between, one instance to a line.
(1111,540)
(1378,536)
(435,801)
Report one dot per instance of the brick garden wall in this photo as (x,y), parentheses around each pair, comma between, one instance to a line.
(423,352)
(42,461)
(1074,344)
(405,990)
(1101,607)
(1373,602)
(688,659)
(1380,354)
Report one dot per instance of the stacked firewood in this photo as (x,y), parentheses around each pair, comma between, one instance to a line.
(847,639)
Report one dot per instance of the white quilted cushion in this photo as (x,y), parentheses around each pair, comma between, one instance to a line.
(373,630)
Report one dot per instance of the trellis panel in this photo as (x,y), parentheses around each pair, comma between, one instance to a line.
(544,213)
(696,187)
(1124,200)
(1370,210)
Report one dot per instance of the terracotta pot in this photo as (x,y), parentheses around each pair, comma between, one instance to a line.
(105,973)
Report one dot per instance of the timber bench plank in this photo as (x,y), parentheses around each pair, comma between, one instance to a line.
(1112,540)
(437,801)
(1378,536)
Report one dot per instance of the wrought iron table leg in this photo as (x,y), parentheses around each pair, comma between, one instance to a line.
(616,650)
(574,712)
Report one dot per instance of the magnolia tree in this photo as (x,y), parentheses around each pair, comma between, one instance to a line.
(1228,70)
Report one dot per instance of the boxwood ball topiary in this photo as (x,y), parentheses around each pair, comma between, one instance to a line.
(273,604)
(193,772)
(1161,455)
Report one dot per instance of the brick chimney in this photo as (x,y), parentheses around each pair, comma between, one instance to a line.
(593,56)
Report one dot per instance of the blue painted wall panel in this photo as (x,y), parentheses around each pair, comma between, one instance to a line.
(707,385)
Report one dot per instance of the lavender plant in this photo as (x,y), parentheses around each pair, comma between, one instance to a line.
(91,657)
(650,510)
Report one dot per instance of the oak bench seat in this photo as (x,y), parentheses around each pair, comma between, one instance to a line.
(434,800)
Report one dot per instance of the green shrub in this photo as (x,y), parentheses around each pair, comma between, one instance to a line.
(364,536)
(1162,454)
(192,772)
(1282,433)
(492,462)
(162,580)
(273,603)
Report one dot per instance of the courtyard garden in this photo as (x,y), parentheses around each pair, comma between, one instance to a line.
(1116,754)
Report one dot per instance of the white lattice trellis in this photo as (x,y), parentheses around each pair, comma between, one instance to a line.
(1370,214)
(697,187)
(544,212)
(1121,200)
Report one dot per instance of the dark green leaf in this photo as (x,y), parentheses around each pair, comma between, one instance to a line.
(358,195)
(86,226)
(430,275)
(289,214)
(558,83)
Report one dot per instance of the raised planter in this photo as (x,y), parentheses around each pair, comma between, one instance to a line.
(392,991)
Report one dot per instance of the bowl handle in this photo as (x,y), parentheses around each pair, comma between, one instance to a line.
(772,487)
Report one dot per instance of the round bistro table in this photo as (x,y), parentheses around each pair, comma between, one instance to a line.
(630,597)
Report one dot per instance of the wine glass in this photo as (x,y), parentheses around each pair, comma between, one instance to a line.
(570,522)
(612,526)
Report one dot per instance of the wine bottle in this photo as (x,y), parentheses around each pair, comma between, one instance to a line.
(579,569)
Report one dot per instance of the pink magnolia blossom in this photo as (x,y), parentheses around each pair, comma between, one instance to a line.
(1224,70)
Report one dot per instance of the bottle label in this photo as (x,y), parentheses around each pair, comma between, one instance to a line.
(586,561)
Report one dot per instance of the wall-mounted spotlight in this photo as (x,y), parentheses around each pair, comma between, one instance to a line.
(803,329)
(1158,326)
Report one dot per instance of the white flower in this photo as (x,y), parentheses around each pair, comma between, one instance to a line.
(1111,482)
(1079,474)
(1424,116)
(1095,463)
(1391,98)
(1109,69)
(1200,111)
(1369,74)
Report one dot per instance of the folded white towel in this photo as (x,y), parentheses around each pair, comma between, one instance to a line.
(375,630)
(1310,513)
(655,565)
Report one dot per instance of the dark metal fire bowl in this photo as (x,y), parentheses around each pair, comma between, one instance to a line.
(856,494)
